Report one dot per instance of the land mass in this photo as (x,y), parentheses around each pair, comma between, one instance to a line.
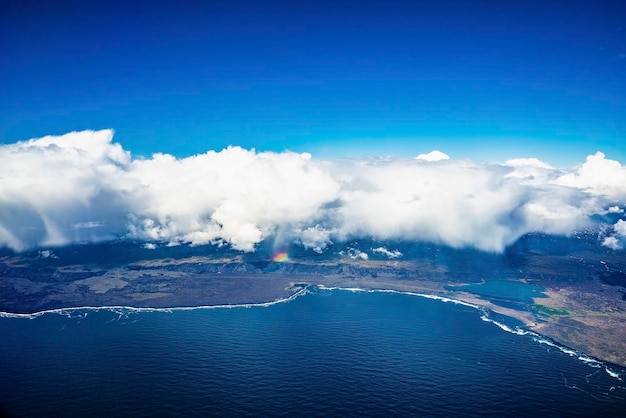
(568,289)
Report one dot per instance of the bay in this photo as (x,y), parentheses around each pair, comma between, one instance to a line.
(329,352)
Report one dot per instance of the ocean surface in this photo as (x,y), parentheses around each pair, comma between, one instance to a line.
(327,352)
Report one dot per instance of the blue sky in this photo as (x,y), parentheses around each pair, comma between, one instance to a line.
(476,79)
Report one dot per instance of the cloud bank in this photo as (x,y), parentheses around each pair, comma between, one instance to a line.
(83,187)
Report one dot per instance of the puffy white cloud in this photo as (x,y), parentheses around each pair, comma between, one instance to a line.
(617,239)
(435,155)
(456,202)
(599,176)
(612,243)
(84,187)
(51,187)
(355,254)
(234,195)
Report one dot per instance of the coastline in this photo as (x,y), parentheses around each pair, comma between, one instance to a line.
(531,327)
(33,315)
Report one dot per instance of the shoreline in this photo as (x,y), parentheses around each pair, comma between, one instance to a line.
(460,298)
(33,315)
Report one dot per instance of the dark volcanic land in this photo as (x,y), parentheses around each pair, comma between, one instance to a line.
(567,288)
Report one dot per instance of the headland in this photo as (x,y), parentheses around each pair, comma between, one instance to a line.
(576,298)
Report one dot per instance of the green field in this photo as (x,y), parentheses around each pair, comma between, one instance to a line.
(548,310)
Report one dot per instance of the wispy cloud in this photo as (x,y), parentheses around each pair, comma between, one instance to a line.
(387,253)
(84,187)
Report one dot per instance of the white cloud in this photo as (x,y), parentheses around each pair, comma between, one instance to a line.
(387,253)
(528,162)
(234,195)
(617,238)
(599,176)
(50,184)
(355,254)
(83,187)
(433,156)
(612,243)
(46,254)
(316,237)
(530,170)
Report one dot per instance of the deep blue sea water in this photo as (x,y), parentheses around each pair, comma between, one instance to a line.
(327,353)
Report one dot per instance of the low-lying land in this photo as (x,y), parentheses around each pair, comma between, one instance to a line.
(575,297)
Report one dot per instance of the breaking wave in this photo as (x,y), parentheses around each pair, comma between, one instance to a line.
(81,312)
(585,358)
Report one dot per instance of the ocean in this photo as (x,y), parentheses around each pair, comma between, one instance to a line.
(327,352)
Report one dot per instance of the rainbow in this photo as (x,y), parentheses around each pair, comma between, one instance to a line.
(281,257)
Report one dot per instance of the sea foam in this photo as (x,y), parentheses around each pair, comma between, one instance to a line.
(81,312)
(585,358)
